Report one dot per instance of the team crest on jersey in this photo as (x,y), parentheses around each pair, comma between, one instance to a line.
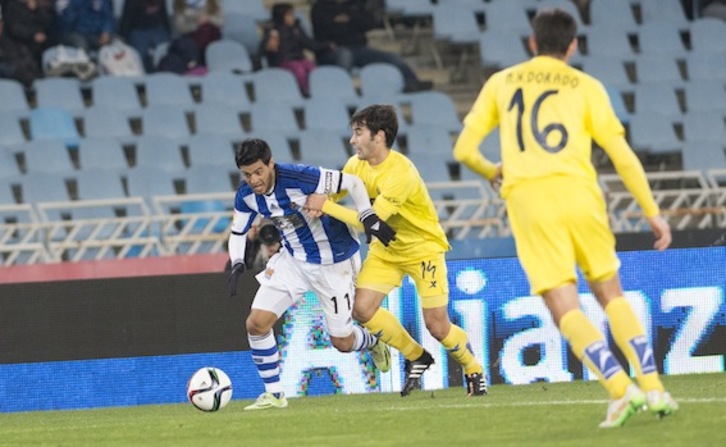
(269,271)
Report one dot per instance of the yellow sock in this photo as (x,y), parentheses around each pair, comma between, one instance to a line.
(588,344)
(387,327)
(630,337)
(456,342)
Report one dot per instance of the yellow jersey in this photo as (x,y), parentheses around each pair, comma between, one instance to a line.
(401,199)
(548,113)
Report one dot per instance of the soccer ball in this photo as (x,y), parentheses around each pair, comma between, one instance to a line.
(209,389)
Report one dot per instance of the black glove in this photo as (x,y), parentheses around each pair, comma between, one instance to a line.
(237,269)
(374,226)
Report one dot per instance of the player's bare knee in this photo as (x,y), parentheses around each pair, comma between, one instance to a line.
(256,326)
(362,315)
(437,329)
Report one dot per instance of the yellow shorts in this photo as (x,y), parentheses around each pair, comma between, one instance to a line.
(559,223)
(429,274)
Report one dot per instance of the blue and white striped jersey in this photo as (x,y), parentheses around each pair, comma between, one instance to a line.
(323,240)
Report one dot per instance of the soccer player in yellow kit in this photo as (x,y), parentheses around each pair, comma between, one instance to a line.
(400,198)
(548,114)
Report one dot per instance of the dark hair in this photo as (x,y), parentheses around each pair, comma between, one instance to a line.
(278,12)
(250,151)
(378,117)
(554,30)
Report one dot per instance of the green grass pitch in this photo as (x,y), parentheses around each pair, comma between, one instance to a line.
(558,414)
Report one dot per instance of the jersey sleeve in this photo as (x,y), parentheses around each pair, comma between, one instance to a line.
(394,191)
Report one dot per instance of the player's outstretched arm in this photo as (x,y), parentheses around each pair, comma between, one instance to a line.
(662,232)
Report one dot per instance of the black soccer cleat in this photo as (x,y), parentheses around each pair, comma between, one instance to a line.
(476,385)
(414,370)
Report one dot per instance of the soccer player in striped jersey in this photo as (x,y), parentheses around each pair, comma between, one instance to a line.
(548,114)
(400,198)
(319,254)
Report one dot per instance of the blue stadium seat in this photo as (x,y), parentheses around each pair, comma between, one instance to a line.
(221,87)
(616,100)
(608,70)
(663,11)
(455,25)
(164,121)
(6,191)
(8,165)
(277,84)
(218,119)
(206,206)
(432,169)
(653,133)
(101,121)
(708,35)
(660,37)
(324,148)
(53,123)
(279,143)
(327,113)
(46,156)
(116,92)
(501,48)
(429,140)
(14,101)
(96,184)
(228,55)
(101,153)
(64,93)
(603,41)
(434,108)
(333,81)
(656,98)
(658,68)
(706,66)
(145,181)
(158,152)
(40,187)
(168,89)
(274,117)
(704,155)
(207,179)
(209,150)
(11,132)
(242,28)
(381,80)
(254,8)
(705,95)
(615,15)
(704,126)
(511,16)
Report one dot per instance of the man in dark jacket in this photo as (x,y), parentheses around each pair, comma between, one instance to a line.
(16,62)
(28,22)
(345,23)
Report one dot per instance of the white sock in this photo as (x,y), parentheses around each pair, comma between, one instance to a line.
(363,338)
(267,360)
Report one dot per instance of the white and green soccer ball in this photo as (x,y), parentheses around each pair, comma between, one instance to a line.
(209,389)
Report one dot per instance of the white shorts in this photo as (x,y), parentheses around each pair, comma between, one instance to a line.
(285,281)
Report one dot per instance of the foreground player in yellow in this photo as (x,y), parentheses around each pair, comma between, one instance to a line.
(548,114)
(401,199)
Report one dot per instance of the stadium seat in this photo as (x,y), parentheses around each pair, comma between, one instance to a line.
(653,133)
(101,153)
(218,119)
(64,93)
(221,87)
(228,55)
(705,95)
(663,11)
(602,41)
(164,121)
(616,100)
(455,24)
(704,126)
(254,8)
(116,92)
(170,89)
(608,70)
(327,113)
(501,48)
(509,16)
(279,143)
(14,101)
(320,147)
(209,150)
(11,132)
(432,169)
(96,184)
(615,15)
(656,98)
(274,117)
(434,108)
(146,181)
(660,37)
(708,35)
(158,152)
(101,121)
(46,156)
(705,66)
(381,80)
(704,155)
(205,206)
(423,139)
(53,123)
(242,28)
(8,165)
(207,179)
(6,191)
(333,81)
(38,187)
(277,84)
(658,68)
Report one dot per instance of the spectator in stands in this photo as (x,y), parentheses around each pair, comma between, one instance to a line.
(283,43)
(86,24)
(345,23)
(200,19)
(28,22)
(145,25)
(16,61)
